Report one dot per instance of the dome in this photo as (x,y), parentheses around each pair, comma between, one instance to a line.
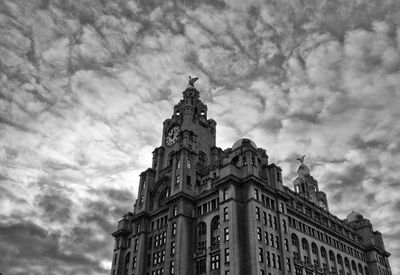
(242,142)
(353,216)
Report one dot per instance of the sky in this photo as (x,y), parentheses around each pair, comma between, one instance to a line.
(85,86)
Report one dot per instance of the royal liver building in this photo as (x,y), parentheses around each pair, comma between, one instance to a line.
(204,210)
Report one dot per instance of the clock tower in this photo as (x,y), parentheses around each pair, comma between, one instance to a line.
(188,142)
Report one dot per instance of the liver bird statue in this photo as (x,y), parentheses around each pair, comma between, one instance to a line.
(301,159)
(192,80)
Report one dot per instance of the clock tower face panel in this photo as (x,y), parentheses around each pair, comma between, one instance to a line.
(172,136)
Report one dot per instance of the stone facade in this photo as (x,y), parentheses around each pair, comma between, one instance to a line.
(204,210)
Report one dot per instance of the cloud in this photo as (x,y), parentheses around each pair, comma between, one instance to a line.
(85,86)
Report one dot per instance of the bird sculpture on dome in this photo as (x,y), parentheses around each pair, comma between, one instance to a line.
(301,159)
(192,80)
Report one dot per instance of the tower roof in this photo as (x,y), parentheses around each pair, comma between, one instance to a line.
(243,141)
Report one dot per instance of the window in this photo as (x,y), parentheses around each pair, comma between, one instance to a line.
(175,210)
(275,223)
(286,245)
(173,231)
(270,220)
(260,255)
(172,248)
(256,195)
(224,194)
(189,163)
(135,248)
(271,237)
(268,259)
(226,234)
(177,179)
(115,258)
(226,215)
(171,267)
(215,230)
(259,235)
(282,207)
(201,229)
(214,261)
(288,267)
(284,225)
(277,241)
(178,163)
(227,260)
(134,263)
(265,217)
(279,262)
(201,266)
(266,240)
(273,261)
(258,213)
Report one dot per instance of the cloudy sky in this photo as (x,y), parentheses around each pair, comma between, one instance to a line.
(85,86)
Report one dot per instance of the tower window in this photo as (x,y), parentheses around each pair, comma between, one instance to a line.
(214,261)
(189,163)
(177,180)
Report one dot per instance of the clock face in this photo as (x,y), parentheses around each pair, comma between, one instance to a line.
(172,136)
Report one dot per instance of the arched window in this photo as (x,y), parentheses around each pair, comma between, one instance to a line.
(339,260)
(331,256)
(163,196)
(296,248)
(366,270)
(201,236)
(215,231)
(346,262)
(360,269)
(314,249)
(354,266)
(306,253)
(323,253)
(201,229)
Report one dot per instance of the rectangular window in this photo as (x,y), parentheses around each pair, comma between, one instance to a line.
(226,215)
(115,258)
(271,237)
(270,220)
(286,245)
(177,179)
(171,267)
(227,260)
(268,259)
(275,223)
(135,248)
(173,231)
(256,194)
(266,240)
(189,163)
(201,266)
(284,225)
(288,266)
(214,261)
(265,217)
(178,163)
(134,263)
(279,262)
(257,213)
(273,261)
(282,207)
(226,234)
(172,248)
(224,194)
(277,241)
(260,255)
(175,210)
(259,234)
